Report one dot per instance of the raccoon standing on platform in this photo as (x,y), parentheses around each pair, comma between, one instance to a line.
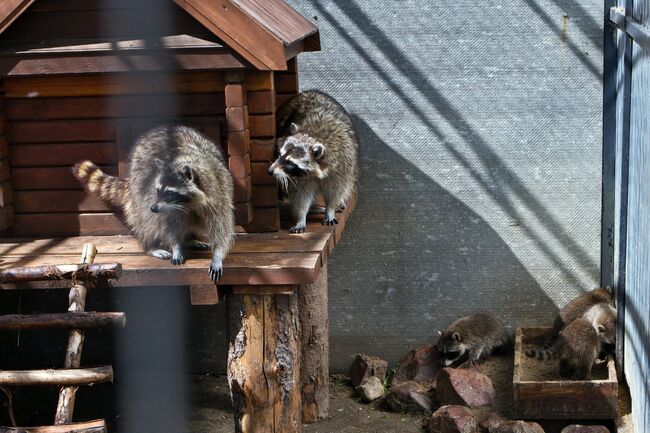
(318,153)
(179,193)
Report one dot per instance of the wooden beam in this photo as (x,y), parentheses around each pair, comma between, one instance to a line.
(66,377)
(97,426)
(60,272)
(62,320)
(10,10)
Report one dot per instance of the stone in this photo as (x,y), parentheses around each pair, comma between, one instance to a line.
(577,428)
(490,421)
(365,366)
(371,390)
(453,419)
(517,427)
(409,397)
(466,387)
(419,365)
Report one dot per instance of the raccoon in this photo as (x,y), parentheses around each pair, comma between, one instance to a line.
(473,337)
(577,308)
(178,192)
(578,347)
(601,317)
(318,153)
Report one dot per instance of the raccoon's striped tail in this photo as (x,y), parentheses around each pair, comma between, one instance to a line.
(544,354)
(108,188)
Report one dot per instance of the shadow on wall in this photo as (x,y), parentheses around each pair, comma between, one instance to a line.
(427,257)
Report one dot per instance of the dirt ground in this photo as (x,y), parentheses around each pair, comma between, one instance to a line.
(156,410)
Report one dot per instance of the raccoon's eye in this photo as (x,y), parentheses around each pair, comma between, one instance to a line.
(290,165)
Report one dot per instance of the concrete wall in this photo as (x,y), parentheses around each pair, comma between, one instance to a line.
(480,185)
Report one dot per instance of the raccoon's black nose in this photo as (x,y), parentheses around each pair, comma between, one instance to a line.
(270,170)
(154,208)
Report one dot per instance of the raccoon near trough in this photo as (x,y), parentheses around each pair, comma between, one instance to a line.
(472,338)
(317,153)
(178,194)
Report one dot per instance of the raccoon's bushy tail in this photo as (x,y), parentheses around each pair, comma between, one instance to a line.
(544,354)
(108,188)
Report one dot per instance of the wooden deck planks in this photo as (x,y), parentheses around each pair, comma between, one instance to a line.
(276,258)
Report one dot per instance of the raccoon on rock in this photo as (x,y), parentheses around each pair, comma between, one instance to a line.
(178,194)
(318,152)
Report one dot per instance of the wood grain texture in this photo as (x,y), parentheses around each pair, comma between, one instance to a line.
(264,363)
(71,224)
(64,201)
(10,10)
(98,426)
(261,102)
(48,131)
(64,377)
(239,143)
(82,320)
(66,154)
(262,150)
(52,178)
(262,125)
(314,370)
(259,80)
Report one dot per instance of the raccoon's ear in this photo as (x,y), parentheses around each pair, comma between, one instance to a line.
(293,128)
(317,150)
(159,164)
(439,333)
(456,336)
(186,172)
(601,329)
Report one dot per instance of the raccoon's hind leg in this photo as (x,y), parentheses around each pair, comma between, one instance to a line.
(216,266)
(198,245)
(160,254)
(334,195)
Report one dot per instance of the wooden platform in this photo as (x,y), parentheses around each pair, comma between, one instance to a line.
(278,258)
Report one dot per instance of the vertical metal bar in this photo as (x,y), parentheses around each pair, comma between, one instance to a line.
(609,149)
(623,87)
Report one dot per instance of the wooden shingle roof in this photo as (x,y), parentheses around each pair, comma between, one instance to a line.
(266,33)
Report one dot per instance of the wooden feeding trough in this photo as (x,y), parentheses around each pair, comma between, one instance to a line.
(544,395)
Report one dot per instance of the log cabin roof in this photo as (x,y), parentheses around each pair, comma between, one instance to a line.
(264,33)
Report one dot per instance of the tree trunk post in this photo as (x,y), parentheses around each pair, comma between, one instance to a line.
(264,363)
(314,323)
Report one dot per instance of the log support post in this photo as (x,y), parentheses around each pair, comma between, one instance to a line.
(314,323)
(264,362)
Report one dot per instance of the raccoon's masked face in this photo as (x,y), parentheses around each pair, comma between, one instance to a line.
(300,156)
(176,189)
(451,347)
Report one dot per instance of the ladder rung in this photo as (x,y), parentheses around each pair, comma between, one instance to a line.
(97,426)
(80,320)
(108,271)
(62,377)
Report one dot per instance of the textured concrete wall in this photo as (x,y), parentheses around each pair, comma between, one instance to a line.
(480,125)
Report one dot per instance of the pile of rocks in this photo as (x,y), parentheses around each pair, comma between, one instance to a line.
(420,384)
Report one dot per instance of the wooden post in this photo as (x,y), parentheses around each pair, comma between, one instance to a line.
(77,297)
(264,363)
(314,371)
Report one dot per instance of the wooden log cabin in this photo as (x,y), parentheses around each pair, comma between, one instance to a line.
(81,79)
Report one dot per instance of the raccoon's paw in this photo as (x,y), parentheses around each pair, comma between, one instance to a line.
(177,260)
(160,254)
(298,228)
(215,271)
(200,246)
(469,363)
(330,221)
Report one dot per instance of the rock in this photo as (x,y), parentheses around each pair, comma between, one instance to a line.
(466,387)
(492,420)
(453,419)
(371,390)
(365,366)
(517,427)
(577,428)
(419,365)
(409,397)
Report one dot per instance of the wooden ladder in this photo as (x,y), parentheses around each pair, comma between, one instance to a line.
(76,320)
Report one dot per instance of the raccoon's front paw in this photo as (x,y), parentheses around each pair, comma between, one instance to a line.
(215,271)
(200,246)
(330,221)
(177,260)
(469,363)
(298,228)
(160,254)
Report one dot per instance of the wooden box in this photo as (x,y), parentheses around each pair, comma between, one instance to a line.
(549,397)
